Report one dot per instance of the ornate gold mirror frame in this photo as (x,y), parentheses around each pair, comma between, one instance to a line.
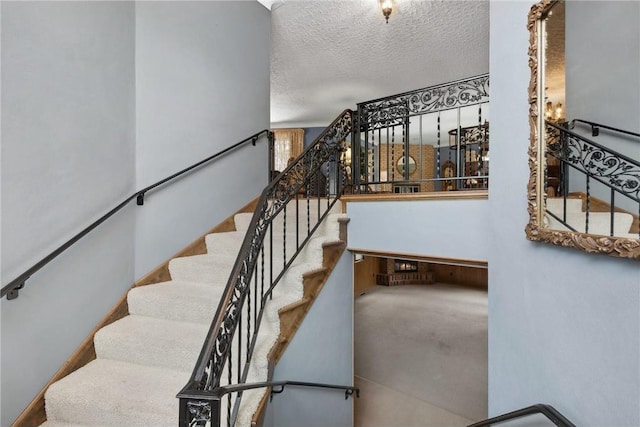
(536,230)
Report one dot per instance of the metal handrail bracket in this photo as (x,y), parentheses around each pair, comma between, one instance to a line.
(11,289)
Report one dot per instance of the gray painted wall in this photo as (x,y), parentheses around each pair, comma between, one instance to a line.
(610,56)
(321,351)
(564,326)
(202,84)
(416,227)
(68,116)
(100,99)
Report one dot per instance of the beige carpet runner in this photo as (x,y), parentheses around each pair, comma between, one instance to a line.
(144,359)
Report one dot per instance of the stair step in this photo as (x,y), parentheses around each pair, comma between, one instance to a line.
(211,269)
(151,342)
(113,393)
(175,300)
(224,243)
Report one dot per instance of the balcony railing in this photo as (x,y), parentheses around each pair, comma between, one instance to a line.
(431,139)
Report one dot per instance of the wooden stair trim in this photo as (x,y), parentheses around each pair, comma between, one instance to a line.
(293,318)
(311,281)
(294,305)
(34,414)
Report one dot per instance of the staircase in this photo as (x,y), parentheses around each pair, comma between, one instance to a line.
(576,218)
(145,358)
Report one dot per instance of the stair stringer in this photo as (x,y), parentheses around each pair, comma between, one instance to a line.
(292,315)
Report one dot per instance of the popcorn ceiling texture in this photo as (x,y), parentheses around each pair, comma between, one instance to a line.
(329,55)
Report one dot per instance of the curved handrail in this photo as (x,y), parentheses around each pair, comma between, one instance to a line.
(547,410)
(596,126)
(11,289)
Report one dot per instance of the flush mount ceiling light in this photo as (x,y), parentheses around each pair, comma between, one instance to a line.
(387,8)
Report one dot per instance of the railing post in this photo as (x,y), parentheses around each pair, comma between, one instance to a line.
(200,412)
(355,150)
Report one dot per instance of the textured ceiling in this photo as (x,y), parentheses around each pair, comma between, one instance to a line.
(329,55)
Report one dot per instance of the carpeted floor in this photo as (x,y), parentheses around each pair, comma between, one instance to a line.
(421,356)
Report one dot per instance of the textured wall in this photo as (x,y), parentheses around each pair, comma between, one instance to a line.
(564,326)
(67,157)
(200,87)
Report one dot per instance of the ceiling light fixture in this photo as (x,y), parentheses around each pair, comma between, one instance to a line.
(387,8)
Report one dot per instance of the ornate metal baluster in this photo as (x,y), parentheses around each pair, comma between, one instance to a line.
(239,334)
(393,150)
(613,204)
(284,236)
(261,278)
(308,214)
(270,258)
(588,207)
(297,223)
(438,173)
(229,377)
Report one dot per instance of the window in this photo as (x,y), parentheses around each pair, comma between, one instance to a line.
(288,144)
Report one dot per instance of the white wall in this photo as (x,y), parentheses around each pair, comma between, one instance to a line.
(67,157)
(610,56)
(564,326)
(202,84)
(440,228)
(321,351)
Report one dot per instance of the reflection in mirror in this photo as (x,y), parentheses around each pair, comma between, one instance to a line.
(402,163)
(582,193)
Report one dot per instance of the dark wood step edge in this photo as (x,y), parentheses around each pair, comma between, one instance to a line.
(34,414)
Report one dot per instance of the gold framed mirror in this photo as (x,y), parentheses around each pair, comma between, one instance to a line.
(554,144)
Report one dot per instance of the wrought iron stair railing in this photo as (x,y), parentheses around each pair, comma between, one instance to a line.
(430,139)
(315,180)
(579,156)
(11,289)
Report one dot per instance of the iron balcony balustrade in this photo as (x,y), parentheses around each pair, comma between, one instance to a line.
(313,182)
(396,136)
(11,289)
(620,174)
(548,411)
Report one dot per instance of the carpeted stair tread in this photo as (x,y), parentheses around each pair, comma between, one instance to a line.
(242,221)
(114,393)
(224,243)
(175,300)
(151,342)
(144,359)
(211,269)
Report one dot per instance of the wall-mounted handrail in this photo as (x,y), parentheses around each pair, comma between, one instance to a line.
(12,288)
(547,410)
(595,128)
(348,390)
